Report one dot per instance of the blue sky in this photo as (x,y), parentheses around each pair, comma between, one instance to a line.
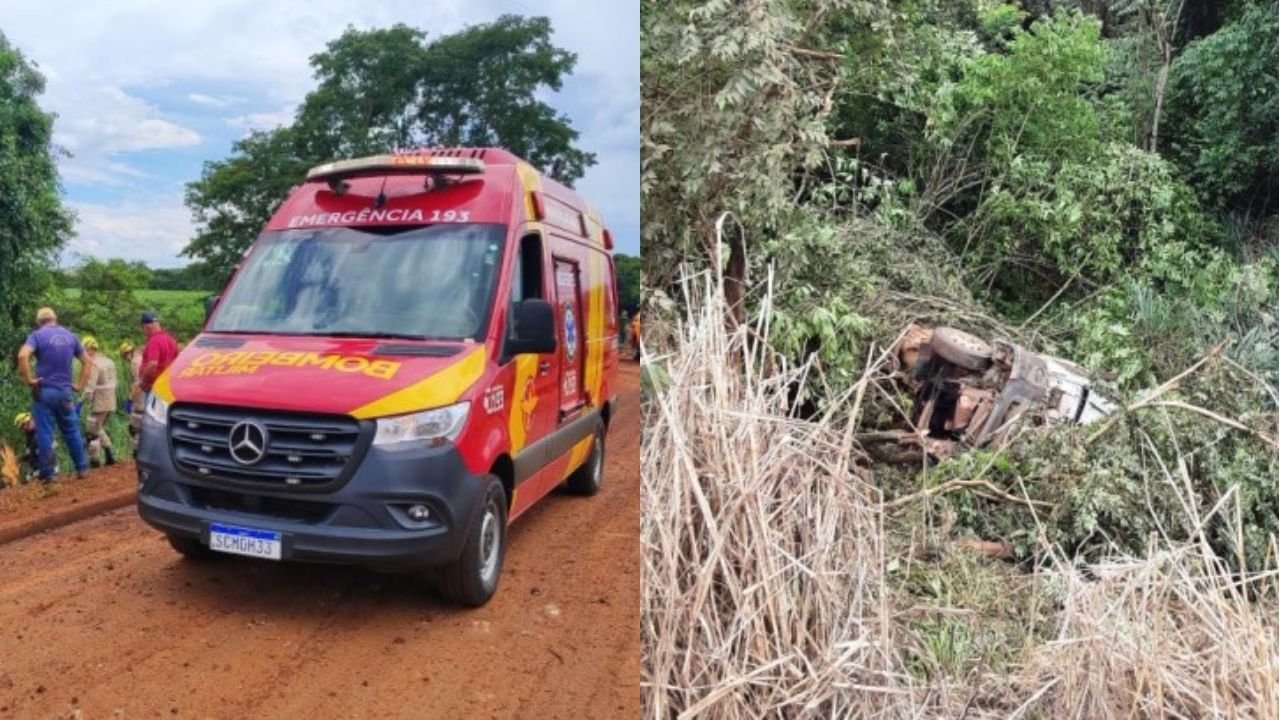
(146,92)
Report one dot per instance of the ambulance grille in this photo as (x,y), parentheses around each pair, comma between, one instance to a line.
(315,453)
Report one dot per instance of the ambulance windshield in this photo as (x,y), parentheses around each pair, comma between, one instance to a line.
(432,282)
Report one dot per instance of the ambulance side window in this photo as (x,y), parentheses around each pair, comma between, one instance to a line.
(526,280)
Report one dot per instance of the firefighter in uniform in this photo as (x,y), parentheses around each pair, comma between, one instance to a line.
(133,406)
(635,335)
(31,458)
(100,399)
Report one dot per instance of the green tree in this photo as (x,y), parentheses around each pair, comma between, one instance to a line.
(107,298)
(367,94)
(191,277)
(480,87)
(1223,113)
(34,224)
(735,99)
(235,197)
(389,89)
(627,268)
(385,90)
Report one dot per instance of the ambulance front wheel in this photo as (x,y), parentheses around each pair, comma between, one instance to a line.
(473,578)
(587,479)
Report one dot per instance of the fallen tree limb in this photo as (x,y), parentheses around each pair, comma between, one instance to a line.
(960,485)
(1160,390)
(1215,416)
(816,54)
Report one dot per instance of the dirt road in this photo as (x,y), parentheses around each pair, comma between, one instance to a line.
(101,619)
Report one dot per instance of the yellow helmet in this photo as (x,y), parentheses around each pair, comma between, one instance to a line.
(125,347)
(89,342)
(21,419)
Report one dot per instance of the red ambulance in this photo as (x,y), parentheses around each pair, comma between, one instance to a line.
(418,348)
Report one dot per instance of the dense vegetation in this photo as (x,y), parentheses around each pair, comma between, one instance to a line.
(33,222)
(1096,179)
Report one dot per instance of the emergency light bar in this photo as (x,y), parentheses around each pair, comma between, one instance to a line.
(334,172)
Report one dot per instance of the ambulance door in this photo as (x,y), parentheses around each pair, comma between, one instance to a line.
(532,405)
(572,331)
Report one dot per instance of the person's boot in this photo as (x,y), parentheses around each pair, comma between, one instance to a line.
(45,488)
(111,456)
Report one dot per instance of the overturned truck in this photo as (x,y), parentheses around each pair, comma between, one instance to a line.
(968,393)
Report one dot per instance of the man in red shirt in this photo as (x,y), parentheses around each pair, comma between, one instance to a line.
(157,355)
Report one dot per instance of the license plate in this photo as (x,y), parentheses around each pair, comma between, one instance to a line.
(244,541)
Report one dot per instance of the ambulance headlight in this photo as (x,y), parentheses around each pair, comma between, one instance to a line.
(432,427)
(157,409)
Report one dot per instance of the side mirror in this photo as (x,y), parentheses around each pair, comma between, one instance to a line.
(535,329)
(210,303)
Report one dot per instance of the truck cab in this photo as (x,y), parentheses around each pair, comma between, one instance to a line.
(417,349)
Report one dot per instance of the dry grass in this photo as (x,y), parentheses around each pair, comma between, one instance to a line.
(762,556)
(1172,635)
(766,591)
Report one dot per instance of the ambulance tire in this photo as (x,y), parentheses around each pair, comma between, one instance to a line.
(587,479)
(472,579)
(190,548)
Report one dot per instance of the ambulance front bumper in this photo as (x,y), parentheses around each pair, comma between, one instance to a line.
(368,521)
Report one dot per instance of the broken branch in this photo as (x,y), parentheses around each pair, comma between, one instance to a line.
(960,485)
(1215,416)
(816,54)
(1163,388)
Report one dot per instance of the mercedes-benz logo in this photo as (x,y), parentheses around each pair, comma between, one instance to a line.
(248,442)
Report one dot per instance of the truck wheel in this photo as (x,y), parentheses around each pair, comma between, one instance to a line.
(961,348)
(473,578)
(586,479)
(190,548)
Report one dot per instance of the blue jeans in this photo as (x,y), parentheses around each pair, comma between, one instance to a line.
(57,406)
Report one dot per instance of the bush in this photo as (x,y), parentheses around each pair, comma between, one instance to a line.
(1222,112)
(1122,212)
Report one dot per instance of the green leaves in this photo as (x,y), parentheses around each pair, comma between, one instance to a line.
(1222,112)
(1034,99)
(34,224)
(481,86)
(234,198)
(1121,212)
(734,98)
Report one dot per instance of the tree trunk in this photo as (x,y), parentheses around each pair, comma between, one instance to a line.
(1165,32)
(1162,79)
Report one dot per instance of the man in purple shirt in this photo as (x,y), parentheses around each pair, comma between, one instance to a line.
(54,348)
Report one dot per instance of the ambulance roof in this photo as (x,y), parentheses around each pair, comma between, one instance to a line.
(484,185)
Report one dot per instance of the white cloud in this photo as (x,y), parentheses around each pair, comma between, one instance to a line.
(109,120)
(99,171)
(214,101)
(154,232)
(103,121)
(262,120)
